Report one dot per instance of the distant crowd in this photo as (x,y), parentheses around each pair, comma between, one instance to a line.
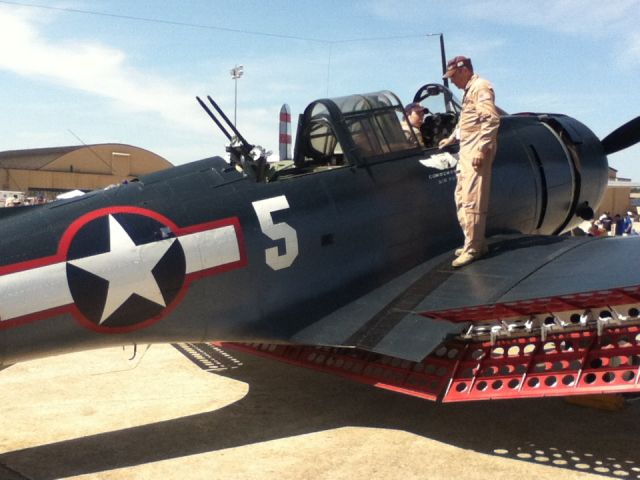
(617,225)
(17,201)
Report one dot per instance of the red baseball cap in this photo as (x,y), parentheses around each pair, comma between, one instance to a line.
(455,63)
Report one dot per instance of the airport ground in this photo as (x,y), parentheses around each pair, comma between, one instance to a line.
(101,415)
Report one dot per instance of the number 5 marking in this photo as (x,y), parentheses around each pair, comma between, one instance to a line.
(276,231)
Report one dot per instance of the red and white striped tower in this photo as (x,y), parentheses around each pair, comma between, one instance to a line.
(285,133)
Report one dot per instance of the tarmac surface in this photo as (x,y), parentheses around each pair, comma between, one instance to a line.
(100,415)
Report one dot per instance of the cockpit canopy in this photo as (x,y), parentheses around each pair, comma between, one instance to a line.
(351,129)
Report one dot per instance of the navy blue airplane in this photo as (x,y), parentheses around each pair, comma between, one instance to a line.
(347,246)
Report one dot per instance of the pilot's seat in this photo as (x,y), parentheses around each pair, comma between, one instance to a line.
(436,127)
(323,149)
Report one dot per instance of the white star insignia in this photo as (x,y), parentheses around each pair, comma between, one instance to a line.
(127,267)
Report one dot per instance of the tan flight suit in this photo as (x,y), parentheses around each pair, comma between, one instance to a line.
(478,130)
(408,129)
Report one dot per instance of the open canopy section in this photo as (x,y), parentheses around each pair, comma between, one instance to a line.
(350,130)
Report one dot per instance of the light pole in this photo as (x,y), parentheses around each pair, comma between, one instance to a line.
(236,73)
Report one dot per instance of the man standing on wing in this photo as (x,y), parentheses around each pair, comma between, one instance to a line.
(477,131)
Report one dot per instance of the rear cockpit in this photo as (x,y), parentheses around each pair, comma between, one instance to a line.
(349,131)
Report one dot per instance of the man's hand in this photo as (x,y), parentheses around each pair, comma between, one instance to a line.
(445,142)
(477,160)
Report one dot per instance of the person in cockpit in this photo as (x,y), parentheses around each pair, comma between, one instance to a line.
(415,115)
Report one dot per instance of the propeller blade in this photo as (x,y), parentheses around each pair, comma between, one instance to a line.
(622,137)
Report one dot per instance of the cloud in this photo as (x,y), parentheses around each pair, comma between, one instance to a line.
(89,67)
(633,48)
(568,16)
(106,72)
(588,19)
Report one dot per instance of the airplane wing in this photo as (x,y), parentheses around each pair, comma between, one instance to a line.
(549,301)
(521,276)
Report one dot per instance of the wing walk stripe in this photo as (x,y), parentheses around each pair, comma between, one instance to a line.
(375,329)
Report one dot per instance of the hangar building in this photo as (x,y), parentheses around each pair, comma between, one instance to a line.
(50,171)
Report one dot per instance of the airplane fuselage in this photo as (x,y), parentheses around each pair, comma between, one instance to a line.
(202,252)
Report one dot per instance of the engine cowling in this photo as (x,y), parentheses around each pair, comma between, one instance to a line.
(550,173)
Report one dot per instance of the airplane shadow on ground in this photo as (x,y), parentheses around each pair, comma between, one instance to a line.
(285,401)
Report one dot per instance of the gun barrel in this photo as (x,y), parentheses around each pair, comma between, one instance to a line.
(214,118)
(246,144)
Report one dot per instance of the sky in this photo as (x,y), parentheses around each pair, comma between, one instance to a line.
(128,71)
